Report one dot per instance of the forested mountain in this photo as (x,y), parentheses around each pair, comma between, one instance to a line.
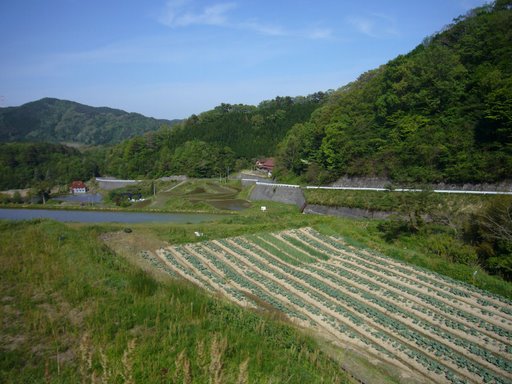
(54,120)
(443,112)
(207,144)
(24,165)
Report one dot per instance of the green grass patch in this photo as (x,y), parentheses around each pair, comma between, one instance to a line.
(389,200)
(72,310)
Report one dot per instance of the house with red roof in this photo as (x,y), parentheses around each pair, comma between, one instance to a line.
(265,164)
(78,187)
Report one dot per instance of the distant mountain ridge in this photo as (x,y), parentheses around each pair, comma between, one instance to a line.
(55,120)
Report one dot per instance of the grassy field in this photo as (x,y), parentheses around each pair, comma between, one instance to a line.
(73,311)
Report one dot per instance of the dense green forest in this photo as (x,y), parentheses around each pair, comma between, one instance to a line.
(54,120)
(24,165)
(443,112)
(228,136)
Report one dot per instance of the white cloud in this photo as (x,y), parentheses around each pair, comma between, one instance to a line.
(365,26)
(181,13)
(376,25)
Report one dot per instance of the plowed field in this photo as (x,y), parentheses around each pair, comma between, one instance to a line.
(442,330)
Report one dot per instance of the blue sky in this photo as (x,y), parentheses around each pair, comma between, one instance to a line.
(170,59)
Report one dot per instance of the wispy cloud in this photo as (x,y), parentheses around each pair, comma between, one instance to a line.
(375,25)
(184,13)
(181,13)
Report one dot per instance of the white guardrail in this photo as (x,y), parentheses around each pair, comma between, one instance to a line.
(412,190)
(379,189)
(118,180)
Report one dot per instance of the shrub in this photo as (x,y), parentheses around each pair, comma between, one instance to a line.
(452,249)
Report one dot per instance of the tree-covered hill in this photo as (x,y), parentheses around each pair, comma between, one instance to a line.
(54,120)
(207,144)
(443,112)
(24,165)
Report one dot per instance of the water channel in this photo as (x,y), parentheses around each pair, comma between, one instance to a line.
(106,217)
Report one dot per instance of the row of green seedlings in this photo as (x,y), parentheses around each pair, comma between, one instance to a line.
(382,301)
(443,283)
(243,249)
(430,276)
(452,317)
(350,315)
(385,321)
(271,286)
(156,263)
(233,276)
(319,298)
(186,273)
(489,325)
(208,275)
(390,283)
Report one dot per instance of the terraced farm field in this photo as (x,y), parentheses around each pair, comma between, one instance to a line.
(426,324)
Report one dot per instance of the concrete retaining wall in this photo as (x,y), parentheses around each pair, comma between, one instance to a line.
(280,194)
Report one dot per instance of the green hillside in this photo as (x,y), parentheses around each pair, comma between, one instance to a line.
(54,120)
(206,144)
(443,112)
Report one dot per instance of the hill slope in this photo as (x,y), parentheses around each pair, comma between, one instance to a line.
(209,143)
(54,120)
(443,112)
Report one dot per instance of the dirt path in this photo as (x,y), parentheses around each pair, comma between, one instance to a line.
(176,186)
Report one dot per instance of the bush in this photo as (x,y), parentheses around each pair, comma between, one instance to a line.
(448,247)
(392,229)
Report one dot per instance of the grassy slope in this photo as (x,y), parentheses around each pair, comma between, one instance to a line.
(386,201)
(71,310)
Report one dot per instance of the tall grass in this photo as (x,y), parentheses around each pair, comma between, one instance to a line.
(74,312)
